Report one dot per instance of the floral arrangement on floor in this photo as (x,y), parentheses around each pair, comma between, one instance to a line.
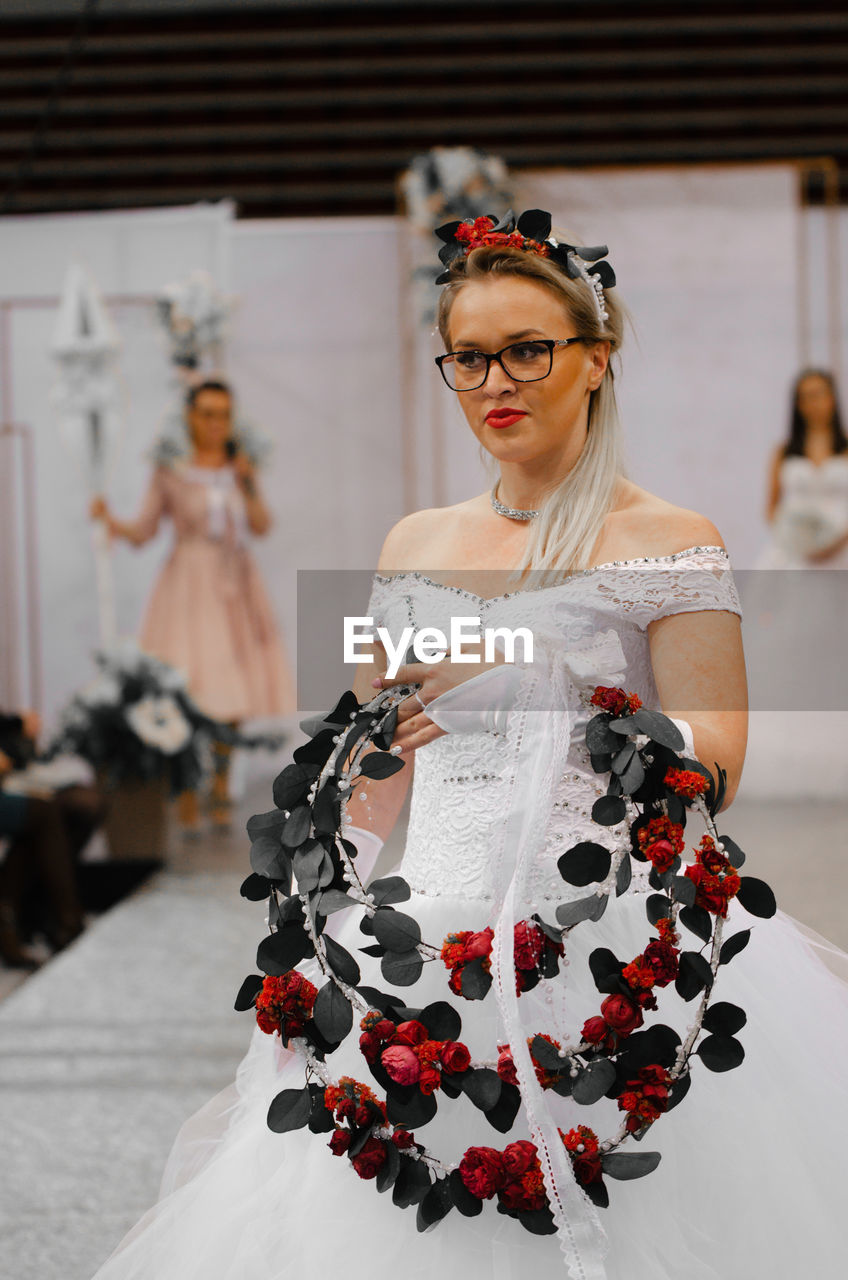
(136,720)
(306,868)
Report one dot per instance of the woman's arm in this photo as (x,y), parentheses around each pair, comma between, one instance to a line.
(146,524)
(699,669)
(258,516)
(774,486)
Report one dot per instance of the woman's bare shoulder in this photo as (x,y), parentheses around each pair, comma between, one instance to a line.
(422,539)
(643,524)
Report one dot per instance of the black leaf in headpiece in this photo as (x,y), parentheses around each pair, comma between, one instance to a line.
(448,252)
(591,254)
(561,255)
(535,224)
(605,274)
(506,224)
(448,231)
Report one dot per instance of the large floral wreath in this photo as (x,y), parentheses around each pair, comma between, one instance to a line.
(413,1054)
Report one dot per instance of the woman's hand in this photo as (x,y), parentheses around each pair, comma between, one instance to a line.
(414,728)
(245,473)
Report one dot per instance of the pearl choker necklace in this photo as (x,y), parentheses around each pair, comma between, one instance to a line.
(512,513)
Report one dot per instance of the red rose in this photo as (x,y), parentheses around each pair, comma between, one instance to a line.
(595,1030)
(608,699)
(455,1057)
(370,1160)
(712,893)
(506,1066)
(385,1029)
(518,1157)
(401,1064)
(370,1045)
(267,1023)
(346,1109)
(621,1014)
(340,1141)
(587,1169)
(429,1080)
(528,943)
(479,945)
(663,960)
(403,1139)
(410,1033)
(364,1115)
(528,1193)
(482,1171)
(662,854)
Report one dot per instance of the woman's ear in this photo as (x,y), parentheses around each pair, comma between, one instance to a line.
(599,355)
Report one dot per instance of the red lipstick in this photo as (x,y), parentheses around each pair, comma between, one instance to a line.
(504,417)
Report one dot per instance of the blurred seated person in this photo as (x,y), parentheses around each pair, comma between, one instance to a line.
(45,834)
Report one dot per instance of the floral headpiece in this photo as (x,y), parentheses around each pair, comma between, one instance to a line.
(531,232)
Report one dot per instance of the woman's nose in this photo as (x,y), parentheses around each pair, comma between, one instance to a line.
(498,380)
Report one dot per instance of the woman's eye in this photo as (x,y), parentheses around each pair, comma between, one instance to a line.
(527,351)
(469,359)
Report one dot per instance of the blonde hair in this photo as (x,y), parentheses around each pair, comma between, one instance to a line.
(573,512)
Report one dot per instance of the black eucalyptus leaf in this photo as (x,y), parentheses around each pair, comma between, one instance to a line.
(317,750)
(721,1053)
(347,706)
(539,1222)
(698,920)
(292,785)
(735,855)
(658,727)
(467,1204)
(605,968)
(624,875)
(383,738)
(295,832)
(307,864)
(598,1194)
(341,962)
(592,908)
(332,1013)
(585,863)
(600,739)
(375,950)
(389,889)
(684,890)
(437,1204)
(609,810)
(413,1111)
(266,824)
(248,991)
(333,900)
(657,907)
(326,811)
(441,1020)
(290,1110)
(282,950)
(403,968)
(628,1165)
(380,764)
(593,1081)
(734,944)
(694,975)
(476,982)
(389,1169)
(623,756)
(395,930)
(502,1115)
(678,1091)
(757,897)
(724,1018)
(256,888)
(546,1054)
(482,1087)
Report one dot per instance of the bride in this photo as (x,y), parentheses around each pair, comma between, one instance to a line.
(618,588)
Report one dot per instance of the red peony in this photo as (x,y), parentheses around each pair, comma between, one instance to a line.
(518,1157)
(403,1139)
(529,941)
(455,1057)
(369,1161)
(289,996)
(401,1064)
(482,1171)
(616,701)
(410,1033)
(621,1014)
(506,1066)
(370,1044)
(713,893)
(587,1169)
(364,1115)
(340,1141)
(479,945)
(596,1031)
(685,782)
(661,854)
(663,960)
(429,1080)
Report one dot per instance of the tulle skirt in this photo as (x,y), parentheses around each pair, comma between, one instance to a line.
(751,1184)
(209,615)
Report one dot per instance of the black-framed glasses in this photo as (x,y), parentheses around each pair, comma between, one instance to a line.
(527,361)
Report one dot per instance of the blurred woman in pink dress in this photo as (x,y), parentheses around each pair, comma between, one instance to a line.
(209,613)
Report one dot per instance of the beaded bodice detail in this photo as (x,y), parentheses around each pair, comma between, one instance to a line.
(460,780)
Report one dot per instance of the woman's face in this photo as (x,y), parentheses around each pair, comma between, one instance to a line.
(210,419)
(815,400)
(488,315)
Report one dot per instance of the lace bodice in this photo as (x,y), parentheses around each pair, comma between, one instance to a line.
(461,779)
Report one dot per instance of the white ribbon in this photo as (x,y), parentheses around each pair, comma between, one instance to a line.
(540,732)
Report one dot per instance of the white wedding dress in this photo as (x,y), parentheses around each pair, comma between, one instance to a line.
(751,1181)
